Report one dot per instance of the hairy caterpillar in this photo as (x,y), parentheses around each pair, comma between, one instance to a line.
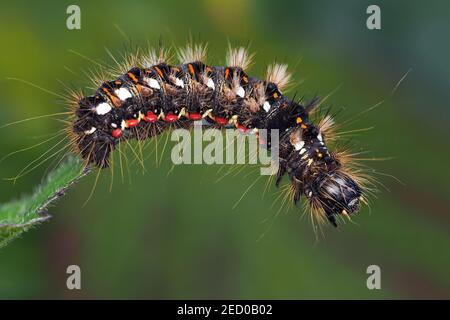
(153,95)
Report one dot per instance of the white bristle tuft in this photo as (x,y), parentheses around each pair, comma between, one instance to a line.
(326,126)
(239,57)
(278,74)
(192,53)
(156,56)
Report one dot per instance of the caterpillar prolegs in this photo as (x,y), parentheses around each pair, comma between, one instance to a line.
(154,95)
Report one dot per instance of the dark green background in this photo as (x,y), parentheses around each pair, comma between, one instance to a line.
(177,236)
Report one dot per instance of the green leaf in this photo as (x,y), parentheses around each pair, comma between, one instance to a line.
(18,216)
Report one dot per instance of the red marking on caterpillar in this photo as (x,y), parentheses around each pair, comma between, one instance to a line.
(195,116)
(150,117)
(131,123)
(221,121)
(117,133)
(242,128)
(171,117)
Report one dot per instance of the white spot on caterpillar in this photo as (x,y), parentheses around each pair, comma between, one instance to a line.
(123,93)
(266,106)
(179,82)
(319,137)
(240,92)
(103,108)
(91,130)
(302,151)
(153,83)
(123,125)
(299,145)
(210,84)
(114,125)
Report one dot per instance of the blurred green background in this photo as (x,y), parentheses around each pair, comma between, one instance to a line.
(160,235)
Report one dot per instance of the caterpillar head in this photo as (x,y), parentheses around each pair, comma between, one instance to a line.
(335,193)
(91,132)
(331,188)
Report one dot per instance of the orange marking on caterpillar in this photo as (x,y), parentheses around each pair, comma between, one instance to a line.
(132,77)
(191,69)
(158,70)
(115,100)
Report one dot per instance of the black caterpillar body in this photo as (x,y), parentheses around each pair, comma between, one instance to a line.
(146,100)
